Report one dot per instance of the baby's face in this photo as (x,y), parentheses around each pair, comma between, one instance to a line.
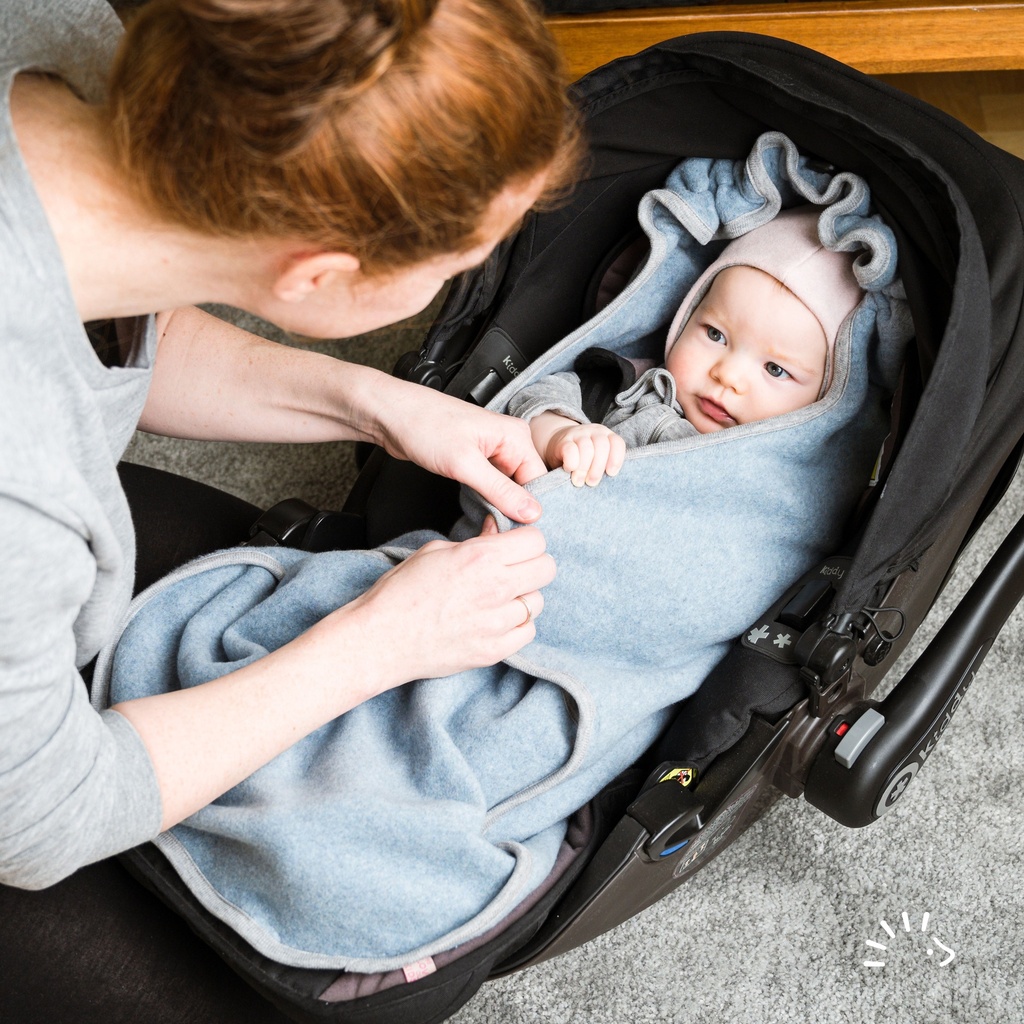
(750,350)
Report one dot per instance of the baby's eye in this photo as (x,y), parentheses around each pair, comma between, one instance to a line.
(715,334)
(775,370)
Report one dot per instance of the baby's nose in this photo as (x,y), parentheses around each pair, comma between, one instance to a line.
(729,373)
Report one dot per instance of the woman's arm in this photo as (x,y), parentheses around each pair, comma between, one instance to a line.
(215,381)
(447,608)
(75,786)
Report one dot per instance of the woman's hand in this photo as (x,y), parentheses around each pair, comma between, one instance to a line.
(489,452)
(454,606)
(446,608)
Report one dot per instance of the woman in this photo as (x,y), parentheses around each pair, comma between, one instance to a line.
(324,164)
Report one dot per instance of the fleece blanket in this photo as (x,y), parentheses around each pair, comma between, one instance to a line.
(420,819)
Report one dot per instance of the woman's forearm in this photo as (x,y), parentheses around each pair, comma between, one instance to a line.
(206,739)
(214,381)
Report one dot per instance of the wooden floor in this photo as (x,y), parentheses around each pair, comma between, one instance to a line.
(990,102)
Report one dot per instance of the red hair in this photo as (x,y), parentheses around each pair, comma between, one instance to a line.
(381,128)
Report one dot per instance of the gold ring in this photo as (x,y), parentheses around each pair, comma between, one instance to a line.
(529,611)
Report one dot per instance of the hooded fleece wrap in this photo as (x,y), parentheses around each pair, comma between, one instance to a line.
(420,819)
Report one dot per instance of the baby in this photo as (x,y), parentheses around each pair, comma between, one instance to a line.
(752,339)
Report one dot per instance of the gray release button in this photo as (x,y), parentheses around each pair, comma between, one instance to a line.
(858,736)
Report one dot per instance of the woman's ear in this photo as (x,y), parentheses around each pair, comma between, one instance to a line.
(306,273)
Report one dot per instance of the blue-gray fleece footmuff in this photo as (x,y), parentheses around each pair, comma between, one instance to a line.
(420,819)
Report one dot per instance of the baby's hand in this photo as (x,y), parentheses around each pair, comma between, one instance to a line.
(586,451)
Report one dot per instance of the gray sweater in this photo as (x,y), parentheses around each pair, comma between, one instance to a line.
(643,414)
(75,786)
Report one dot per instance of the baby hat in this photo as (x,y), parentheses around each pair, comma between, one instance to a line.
(788,248)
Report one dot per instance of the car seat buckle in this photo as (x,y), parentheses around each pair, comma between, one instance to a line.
(297,524)
(284,523)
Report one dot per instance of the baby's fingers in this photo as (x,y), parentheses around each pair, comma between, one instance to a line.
(609,453)
(569,456)
(580,473)
(602,454)
(616,454)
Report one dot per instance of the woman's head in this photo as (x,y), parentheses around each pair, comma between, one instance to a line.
(384,129)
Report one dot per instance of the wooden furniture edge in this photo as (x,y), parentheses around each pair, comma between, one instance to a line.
(874,36)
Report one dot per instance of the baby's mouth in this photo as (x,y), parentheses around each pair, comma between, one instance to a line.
(715,412)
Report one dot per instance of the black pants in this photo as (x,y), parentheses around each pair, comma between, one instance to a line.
(98,948)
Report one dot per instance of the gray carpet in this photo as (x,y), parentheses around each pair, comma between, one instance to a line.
(776,929)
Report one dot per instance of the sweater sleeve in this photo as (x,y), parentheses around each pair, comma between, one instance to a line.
(75,785)
(558,392)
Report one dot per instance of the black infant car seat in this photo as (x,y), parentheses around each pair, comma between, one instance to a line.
(799,720)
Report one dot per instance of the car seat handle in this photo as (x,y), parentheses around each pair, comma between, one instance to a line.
(875,748)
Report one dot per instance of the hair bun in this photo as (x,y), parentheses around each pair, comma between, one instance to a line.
(259,49)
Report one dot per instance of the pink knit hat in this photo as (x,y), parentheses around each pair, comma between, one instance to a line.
(788,248)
